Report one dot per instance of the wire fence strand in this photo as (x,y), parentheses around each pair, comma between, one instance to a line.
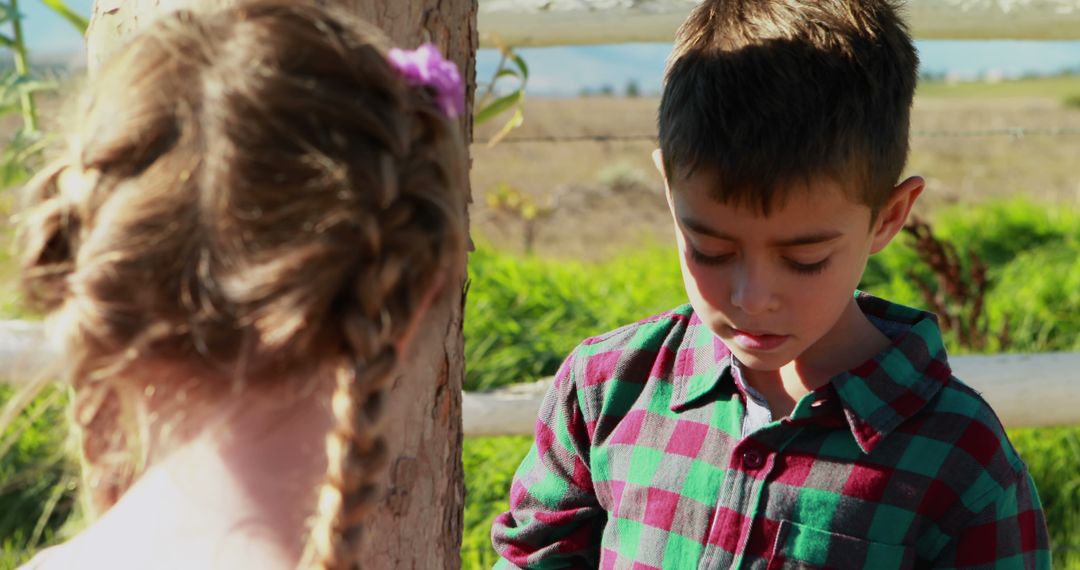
(1011,132)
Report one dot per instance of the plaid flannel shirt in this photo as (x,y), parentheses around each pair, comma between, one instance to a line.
(639,463)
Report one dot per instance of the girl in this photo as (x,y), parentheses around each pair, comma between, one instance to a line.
(256,210)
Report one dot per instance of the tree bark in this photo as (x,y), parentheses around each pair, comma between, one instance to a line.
(419,525)
(419,522)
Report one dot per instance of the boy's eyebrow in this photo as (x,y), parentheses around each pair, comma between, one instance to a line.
(808,239)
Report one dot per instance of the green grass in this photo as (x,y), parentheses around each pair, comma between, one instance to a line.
(1053,457)
(1058,87)
(523,315)
(11,306)
(1031,256)
(36,476)
(490,463)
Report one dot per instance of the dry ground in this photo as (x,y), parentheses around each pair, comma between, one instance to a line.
(607,196)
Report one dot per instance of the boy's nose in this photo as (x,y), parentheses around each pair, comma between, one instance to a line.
(751,292)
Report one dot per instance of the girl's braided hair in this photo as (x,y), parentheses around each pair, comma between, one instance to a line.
(252,195)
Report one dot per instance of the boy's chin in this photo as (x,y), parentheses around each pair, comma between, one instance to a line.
(761,362)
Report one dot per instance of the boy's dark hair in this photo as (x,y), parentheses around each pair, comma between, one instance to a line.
(767,94)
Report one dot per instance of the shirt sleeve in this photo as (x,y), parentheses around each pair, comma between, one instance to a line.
(1009,533)
(554,519)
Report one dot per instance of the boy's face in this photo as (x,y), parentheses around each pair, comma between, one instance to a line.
(774,288)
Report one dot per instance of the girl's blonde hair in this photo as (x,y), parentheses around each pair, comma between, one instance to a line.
(251,196)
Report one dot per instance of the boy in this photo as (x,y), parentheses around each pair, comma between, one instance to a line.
(778,420)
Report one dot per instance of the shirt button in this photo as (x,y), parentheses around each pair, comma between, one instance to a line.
(753,459)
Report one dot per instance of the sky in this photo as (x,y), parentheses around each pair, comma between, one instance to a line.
(49,34)
(569,70)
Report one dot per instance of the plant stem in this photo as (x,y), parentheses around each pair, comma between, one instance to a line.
(490,90)
(22,67)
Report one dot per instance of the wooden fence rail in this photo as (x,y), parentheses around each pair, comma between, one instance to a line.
(1027,390)
(567,22)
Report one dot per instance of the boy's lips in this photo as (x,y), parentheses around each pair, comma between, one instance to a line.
(758,340)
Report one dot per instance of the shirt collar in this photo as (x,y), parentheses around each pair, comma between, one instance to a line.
(876,396)
(700,362)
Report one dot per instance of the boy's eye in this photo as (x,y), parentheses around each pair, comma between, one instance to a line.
(808,268)
(801,268)
(704,259)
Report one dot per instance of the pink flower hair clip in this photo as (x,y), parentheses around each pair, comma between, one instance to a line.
(426,67)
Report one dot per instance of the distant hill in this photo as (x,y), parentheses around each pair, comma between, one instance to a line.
(48,64)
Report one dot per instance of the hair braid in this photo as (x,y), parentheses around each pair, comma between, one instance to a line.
(388,290)
(356,455)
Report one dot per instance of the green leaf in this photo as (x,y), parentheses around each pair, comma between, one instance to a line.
(7,14)
(64,11)
(10,98)
(30,85)
(499,106)
(516,121)
(13,86)
(21,156)
(507,72)
(6,41)
(522,66)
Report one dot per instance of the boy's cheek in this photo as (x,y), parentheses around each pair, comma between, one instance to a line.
(705,288)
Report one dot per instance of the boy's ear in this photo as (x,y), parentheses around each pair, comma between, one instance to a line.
(894,214)
(658,161)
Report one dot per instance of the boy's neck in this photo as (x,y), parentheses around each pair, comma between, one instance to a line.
(852,341)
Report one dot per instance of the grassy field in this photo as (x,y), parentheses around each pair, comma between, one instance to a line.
(1058,87)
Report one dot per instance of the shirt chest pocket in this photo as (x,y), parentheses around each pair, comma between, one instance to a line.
(803,547)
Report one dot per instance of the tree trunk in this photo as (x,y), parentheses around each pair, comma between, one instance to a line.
(419,523)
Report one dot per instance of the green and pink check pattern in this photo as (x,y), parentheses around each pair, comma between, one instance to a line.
(639,463)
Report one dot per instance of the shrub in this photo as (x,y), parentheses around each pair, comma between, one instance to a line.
(1039,292)
(1030,253)
(1053,457)
(490,463)
(524,315)
(622,176)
